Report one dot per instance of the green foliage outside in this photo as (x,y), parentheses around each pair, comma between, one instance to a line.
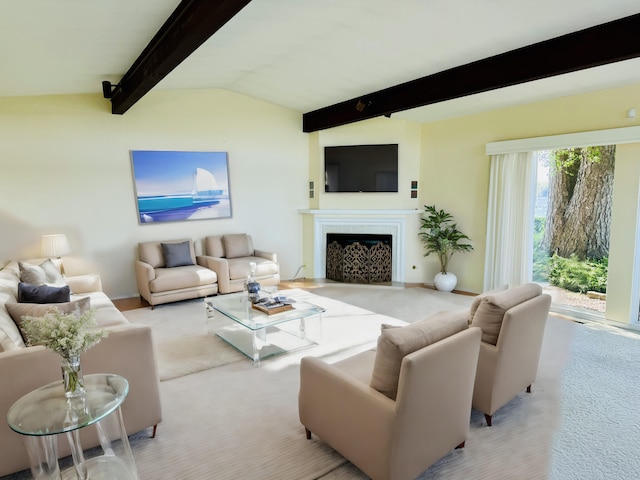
(571,273)
(579,275)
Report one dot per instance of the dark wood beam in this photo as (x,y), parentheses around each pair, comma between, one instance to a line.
(600,45)
(188,27)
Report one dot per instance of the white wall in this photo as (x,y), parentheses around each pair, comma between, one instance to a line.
(65,168)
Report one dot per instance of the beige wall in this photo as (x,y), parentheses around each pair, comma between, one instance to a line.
(624,217)
(65,167)
(455,169)
(377,130)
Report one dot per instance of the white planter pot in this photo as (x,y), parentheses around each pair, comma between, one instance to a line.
(445,282)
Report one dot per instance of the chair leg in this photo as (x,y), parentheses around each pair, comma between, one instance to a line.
(529,389)
(460,446)
(155,429)
(308,432)
(488,419)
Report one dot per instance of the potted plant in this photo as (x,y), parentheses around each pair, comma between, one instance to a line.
(441,236)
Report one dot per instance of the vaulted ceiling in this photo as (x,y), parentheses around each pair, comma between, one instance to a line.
(307,55)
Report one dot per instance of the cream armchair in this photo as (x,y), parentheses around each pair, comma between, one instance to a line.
(230,255)
(513,323)
(168,272)
(394,417)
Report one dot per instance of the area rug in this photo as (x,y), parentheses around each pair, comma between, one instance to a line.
(408,304)
(181,340)
(184,345)
(246,425)
(236,421)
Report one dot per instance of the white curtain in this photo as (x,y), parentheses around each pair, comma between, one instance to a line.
(512,186)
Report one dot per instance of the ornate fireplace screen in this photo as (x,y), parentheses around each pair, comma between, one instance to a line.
(358,258)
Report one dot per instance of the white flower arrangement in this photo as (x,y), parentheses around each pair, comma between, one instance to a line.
(67,334)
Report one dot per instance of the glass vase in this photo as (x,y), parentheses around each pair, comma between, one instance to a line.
(72,379)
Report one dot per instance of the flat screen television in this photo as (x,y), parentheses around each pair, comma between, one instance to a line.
(361,168)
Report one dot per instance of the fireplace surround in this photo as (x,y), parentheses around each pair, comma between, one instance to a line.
(373,222)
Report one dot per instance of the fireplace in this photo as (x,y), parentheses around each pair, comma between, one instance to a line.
(371,222)
(359,258)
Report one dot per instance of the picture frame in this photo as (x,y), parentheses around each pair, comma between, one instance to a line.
(173,186)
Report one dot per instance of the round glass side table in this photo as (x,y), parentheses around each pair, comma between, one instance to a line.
(43,414)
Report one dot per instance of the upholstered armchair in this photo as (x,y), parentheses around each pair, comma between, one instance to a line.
(512,323)
(395,411)
(167,272)
(230,256)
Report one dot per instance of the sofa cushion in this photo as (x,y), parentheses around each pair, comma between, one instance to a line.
(395,343)
(239,267)
(106,314)
(237,245)
(176,254)
(492,308)
(44,274)
(478,298)
(213,246)
(28,293)
(181,277)
(10,337)
(20,310)
(151,252)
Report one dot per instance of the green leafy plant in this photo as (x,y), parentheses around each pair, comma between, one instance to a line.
(578,275)
(441,236)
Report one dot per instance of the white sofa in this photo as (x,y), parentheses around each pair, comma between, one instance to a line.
(127,351)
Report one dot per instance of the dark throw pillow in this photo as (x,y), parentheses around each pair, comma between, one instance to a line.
(177,254)
(28,293)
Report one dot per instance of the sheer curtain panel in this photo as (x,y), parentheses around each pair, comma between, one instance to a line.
(509,255)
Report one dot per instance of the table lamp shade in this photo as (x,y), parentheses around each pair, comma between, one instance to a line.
(55,245)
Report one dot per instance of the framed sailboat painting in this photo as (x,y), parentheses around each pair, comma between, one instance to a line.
(176,186)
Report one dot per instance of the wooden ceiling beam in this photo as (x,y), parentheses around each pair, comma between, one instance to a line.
(188,27)
(600,45)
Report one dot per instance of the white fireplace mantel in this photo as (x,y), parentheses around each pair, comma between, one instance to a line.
(389,222)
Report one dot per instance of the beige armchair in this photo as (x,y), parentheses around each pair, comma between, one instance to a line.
(230,255)
(395,427)
(168,272)
(513,323)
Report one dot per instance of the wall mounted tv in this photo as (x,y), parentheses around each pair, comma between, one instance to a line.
(361,168)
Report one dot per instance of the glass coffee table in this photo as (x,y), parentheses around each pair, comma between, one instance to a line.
(259,335)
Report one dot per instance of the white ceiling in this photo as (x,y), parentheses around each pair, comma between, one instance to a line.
(302,54)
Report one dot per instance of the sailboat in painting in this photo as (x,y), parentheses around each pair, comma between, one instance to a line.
(206,192)
(205,187)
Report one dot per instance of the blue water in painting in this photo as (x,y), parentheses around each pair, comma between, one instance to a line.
(153,204)
(170,208)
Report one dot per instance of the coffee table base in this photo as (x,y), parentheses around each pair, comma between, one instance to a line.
(265,342)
